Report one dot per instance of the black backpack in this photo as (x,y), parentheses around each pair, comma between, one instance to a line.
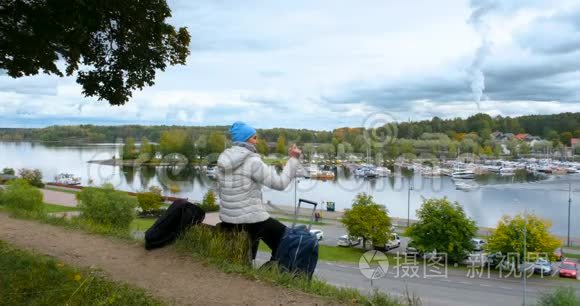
(180,215)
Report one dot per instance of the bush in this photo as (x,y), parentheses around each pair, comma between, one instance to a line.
(559,297)
(149,201)
(106,206)
(20,195)
(32,176)
(8,171)
(209,202)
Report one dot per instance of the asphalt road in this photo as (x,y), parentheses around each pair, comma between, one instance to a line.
(454,288)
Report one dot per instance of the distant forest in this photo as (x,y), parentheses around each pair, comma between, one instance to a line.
(472,134)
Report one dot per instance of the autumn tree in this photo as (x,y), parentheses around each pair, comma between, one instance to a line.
(508,237)
(443,226)
(216,142)
(368,220)
(262,147)
(565,137)
(173,141)
(115,47)
(129,148)
(308,150)
(281,145)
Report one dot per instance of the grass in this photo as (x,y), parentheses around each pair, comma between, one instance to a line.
(301,221)
(74,223)
(55,208)
(571,255)
(230,253)
(32,279)
(563,296)
(142,224)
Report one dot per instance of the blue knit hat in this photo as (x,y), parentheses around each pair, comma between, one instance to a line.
(241,131)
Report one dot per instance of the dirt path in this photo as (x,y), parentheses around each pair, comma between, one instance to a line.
(177,280)
(60,198)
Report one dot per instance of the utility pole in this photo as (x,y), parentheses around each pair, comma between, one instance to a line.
(409,188)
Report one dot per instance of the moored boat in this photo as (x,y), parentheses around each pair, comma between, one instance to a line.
(463,174)
(67,179)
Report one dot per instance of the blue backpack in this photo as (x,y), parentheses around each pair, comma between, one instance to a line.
(298,250)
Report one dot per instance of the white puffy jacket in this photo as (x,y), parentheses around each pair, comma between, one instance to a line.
(241,174)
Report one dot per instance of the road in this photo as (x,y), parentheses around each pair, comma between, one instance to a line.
(457,288)
(453,289)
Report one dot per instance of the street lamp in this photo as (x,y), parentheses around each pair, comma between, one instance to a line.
(569,208)
(409,188)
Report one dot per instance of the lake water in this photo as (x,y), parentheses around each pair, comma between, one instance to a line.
(546,197)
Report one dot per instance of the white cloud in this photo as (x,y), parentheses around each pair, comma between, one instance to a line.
(323,64)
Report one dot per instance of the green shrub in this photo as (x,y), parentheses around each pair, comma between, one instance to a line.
(8,171)
(106,206)
(209,202)
(32,176)
(20,195)
(560,297)
(149,201)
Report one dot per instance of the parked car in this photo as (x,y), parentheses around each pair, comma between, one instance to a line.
(345,241)
(412,250)
(542,266)
(568,269)
(393,243)
(494,259)
(318,233)
(478,244)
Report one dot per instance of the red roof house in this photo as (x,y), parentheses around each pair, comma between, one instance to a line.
(575,141)
(522,136)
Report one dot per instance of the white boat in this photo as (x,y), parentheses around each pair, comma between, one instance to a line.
(383,171)
(495,169)
(67,179)
(322,175)
(506,171)
(463,174)
(366,171)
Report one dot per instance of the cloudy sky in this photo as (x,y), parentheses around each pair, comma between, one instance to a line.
(326,64)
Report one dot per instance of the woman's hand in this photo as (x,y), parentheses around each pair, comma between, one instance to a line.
(293,151)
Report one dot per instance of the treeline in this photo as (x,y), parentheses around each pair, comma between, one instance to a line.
(101,133)
(548,127)
(450,136)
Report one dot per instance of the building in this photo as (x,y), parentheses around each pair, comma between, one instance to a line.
(522,136)
(575,142)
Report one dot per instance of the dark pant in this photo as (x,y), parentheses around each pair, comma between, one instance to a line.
(269,230)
